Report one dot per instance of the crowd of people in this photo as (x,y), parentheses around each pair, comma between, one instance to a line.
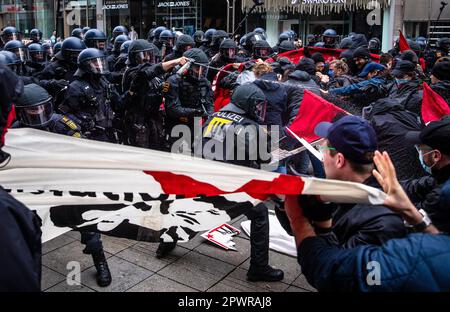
(135,92)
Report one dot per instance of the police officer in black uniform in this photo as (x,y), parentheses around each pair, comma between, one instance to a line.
(117,31)
(207,39)
(262,50)
(227,55)
(95,38)
(21,51)
(184,43)
(329,37)
(35,36)
(217,39)
(156,35)
(198,37)
(247,110)
(38,58)
(77,32)
(10,33)
(187,94)
(112,58)
(143,122)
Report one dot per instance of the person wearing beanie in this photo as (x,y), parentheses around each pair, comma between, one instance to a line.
(307,65)
(361,56)
(440,79)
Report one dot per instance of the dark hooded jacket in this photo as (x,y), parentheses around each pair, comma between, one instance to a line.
(277,99)
(391,122)
(443,89)
(409,94)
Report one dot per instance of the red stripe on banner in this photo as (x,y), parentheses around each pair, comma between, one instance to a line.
(177,184)
(9,120)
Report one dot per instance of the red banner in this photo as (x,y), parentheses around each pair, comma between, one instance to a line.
(434,107)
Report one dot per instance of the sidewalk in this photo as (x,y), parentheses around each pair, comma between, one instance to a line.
(192,267)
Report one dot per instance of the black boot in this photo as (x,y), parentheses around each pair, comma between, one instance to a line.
(265,274)
(164,249)
(103,274)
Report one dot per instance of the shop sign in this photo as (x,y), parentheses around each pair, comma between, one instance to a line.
(318,1)
(174,4)
(115,4)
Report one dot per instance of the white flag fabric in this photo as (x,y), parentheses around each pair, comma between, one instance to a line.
(143,194)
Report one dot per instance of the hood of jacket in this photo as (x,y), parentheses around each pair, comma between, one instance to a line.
(300,75)
(264,82)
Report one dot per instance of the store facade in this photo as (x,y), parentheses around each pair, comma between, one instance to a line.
(371,17)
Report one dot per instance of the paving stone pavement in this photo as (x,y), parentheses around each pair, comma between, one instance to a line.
(192,267)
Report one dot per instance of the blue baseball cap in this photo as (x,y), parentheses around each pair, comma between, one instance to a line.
(352,136)
(371,67)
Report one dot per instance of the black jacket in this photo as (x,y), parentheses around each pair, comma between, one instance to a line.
(297,83)
(277,99)
(410,95)
(443,89)
(364,224)
(20,246)
(391,122)
(425,193)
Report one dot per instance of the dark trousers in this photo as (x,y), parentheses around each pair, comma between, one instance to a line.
(259,235)
(92,242)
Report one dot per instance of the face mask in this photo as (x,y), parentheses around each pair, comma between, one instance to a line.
(331,73)
(428,169)
(401,81)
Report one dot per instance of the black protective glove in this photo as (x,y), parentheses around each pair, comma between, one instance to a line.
(315,209)
(283,219)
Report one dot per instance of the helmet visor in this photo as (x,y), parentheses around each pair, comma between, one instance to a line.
(229,53)
(22,54)
(145,57)
(263,52)
(35,116)
(97,66)
(37,57)
(197,71)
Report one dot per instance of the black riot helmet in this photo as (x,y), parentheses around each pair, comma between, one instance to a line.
(34,107)
(85,29)
(37,53)
(167,37)
(197,67)
(284,36)
(250,40)
(262,50)
(209,36)
(141,51)
(375,45)
(35,35)
(199,36)
(414,46)
(444,44)
(48,50)
(71,48)
(77,32)
(11,60)
(57,48)
(125,46)
(228,50)
(260,31)
(248,100)
(218,37)
(286,46)
(95,38)
(10,33)
(18,48)
(93,61)
(151,35)
(184,43)
(118,43)
(422,42)
(158,32)
(119,30)
(329,37)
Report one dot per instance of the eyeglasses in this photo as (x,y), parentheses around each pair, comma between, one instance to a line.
(323,148)
(421,150)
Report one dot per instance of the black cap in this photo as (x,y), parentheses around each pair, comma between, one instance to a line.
(436,135)
(307,65)
(318,57)
(410,55)
(403,67)
(352,136)
(361,52)
(441,70)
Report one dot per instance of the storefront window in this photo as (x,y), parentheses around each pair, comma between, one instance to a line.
(79,14)
(28,14)
(117,12)
(184,16)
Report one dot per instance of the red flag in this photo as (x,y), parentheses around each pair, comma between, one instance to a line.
(403,43)
(221,95)
(314,110)
(434,107)
(9,120)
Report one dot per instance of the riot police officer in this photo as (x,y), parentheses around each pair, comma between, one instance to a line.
(143,121)
(115,52)
(184,43)
(35,110)
(166,38)
(227,55)
(91,98)
(95,38)
(262,50)
(10,33)
(246,111)
(329,37)
(156,35)
(117,31)
(198,37)
(217,39)
(375,46)
(21,51)
(48,51)
(35,36)
(207,40)
(10,60)
(38,58)
(77,32)
(120,65)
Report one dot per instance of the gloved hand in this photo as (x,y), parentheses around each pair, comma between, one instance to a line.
(315,209)
(59,84)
